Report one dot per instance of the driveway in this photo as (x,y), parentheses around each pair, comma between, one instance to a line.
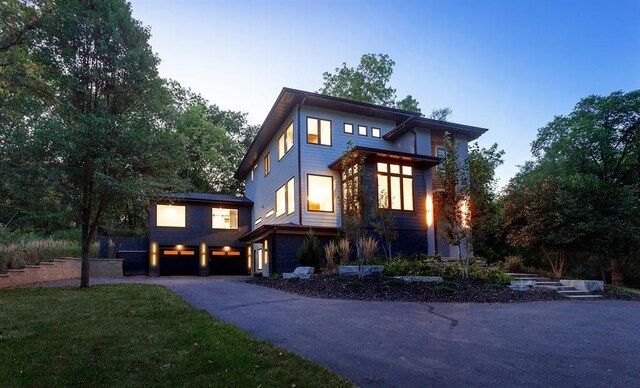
(585,343)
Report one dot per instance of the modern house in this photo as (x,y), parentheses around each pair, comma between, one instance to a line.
(295,177)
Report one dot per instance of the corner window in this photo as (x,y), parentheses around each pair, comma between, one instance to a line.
(318,131)
(375,132)
(395,186)
(320,193)
(171,216)
(267,164)
(285,142)
(348,128)
(285,198)
(441,153)
(224,218)
(362,130)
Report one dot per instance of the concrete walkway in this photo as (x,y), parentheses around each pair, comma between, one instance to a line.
(588,343)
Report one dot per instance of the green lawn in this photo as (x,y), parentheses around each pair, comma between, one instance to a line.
(135,335)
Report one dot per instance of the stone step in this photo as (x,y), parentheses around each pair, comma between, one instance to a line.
(573,292)
(565,288)
(583,297)
(547,282)
(537,280)
(517,275)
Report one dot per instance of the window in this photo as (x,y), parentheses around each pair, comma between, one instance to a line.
(319,193)
(362,130)
(351,190)
(285,142)
(267,164)
(171,216)
(441,153)
(348,128)
(252,170)
(269,213)
(395,186)
(259,220)
(224,218)
(318,131)
(285,199)
(375,132)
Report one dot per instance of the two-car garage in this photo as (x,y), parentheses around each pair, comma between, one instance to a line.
(182,260)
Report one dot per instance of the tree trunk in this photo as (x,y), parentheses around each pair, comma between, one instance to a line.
(617,275)
(86,245)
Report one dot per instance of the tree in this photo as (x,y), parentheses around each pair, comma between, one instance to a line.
(354,201)
(586,179)
(368,82)
(384,224)
(441,114)
(452,202)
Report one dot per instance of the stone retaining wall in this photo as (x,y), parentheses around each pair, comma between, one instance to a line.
(59,269)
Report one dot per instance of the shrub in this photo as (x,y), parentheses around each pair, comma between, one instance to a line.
(493,275)
(513,264)
(330,251)
(368,246)
(308,254)
(344,251)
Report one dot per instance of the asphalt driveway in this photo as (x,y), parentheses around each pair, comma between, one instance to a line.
(585,343)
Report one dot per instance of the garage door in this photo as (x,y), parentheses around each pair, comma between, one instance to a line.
(183,262)
(228,262)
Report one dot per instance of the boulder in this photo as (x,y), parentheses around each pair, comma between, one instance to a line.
(367,270)
(522,285)
(584,285)
(303,270)
(420,279)
(303,273)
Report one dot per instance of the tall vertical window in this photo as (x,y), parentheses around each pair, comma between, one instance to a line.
(395,186)
(285,142)
(171,216)
(351,189)
(362,130)
(441,153)
(375,132)
(285,198)
(320,193)
(318,131)
(267,164)
(224,218)
(348,128)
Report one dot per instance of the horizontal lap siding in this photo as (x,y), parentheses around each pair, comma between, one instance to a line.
(198,226)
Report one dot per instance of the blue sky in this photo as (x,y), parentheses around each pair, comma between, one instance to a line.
(509,66)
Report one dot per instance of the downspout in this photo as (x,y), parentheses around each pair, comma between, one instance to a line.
(300,165)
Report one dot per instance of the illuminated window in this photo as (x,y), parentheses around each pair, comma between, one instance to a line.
(285,142)
(320,193)
(252,170)
(348,128)
(259,220)
(362,130)
(267,164)
(285,199)
(395,186)
(171,216)
(441,153)
(224,218)
(269,213)
(351,190)
(375,132)
(318,131)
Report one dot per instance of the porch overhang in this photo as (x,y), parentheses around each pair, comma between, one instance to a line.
(423,161)
(266,230)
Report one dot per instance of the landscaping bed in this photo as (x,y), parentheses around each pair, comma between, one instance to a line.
(390,289)
(621,293)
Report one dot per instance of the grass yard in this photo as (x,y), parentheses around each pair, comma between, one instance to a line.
(135,335)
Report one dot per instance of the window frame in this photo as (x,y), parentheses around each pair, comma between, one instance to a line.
(333,207)
(401,177)
(373,131)
(269,213)
(366,130)
(267,163)
(169,226)
(226,208)
(320,132)
(284,138)
(344,128)
(286,211)
(440,166)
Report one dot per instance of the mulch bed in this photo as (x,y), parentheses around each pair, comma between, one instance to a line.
(388,289)
(620,295)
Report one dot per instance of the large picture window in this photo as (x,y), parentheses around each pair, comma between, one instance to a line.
(285,198)
(320,193)
(285,142)
(318,131)
(224,218)
(171,216)
(395,186)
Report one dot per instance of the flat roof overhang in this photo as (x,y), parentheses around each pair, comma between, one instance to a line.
(265,230)
(470,131)
(424,161)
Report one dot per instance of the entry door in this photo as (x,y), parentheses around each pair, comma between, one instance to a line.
(257,260)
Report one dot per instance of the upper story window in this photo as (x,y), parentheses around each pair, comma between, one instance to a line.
(441,153)
(267,164)
(318,131)
(285,198)
(171,216)
(224,218)
(269,213)
(395,186)
(252,170)
(285,142)
(362,130)
(351,189)
(348,128)
(375,132)
(320,193)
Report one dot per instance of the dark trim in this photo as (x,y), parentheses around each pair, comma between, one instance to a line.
(425,161)
(366,130)
(267,229)
(379,132)
(320,132)
(333,188)
(300,163)
(415,121)
(352,128)
(203,197)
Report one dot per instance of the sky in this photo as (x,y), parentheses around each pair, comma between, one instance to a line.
(506,65)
